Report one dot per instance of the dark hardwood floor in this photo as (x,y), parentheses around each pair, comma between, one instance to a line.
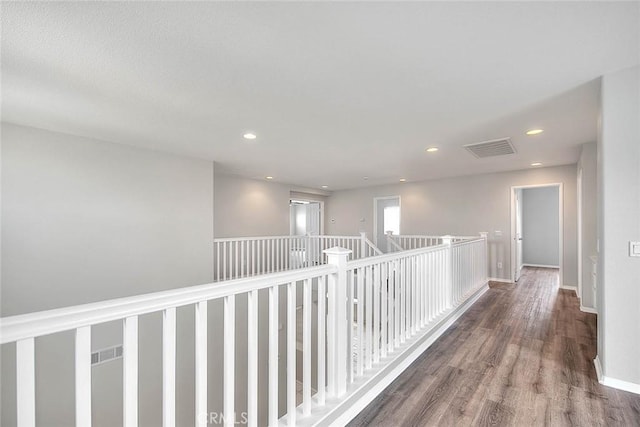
(522,355)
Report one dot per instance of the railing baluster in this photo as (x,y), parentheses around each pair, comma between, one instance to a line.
(276,253)
(423,288)
(414,295)
(229,360)
(322,310)
(217,247)
(130,371)
(418,278)
(352,317)
(291,354)
(306,347)
(253,258)
(201,363)
(396,307)
(286,252)
(169,367)
(252,358)
(242,259)
(369,318)
(437,281)
(271,256)
(403,300)
(273,355)
(26,383)
(224,261)
(376,313)
(236,261)
(360,315)
(384,309)
(83,376)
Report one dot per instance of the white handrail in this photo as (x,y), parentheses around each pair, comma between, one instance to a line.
(365,262)
(31,325)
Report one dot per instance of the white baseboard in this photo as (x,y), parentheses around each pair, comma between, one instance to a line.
(540,266)
(598,366)
(495,279)
(588,309)
(613,382)
(570,288)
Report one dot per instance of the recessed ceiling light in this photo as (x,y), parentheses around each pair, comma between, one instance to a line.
(325,186)
(534,131)
(365,178)
(536,164)
(249,135)
(403,179)
(431,149)
(268,177)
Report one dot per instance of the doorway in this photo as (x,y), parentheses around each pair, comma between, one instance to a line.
(386,217)
(306,217)
(536,228)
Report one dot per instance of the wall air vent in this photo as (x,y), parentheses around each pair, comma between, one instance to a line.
(105,355)
(495,147)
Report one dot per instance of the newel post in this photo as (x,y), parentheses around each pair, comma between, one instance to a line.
(307,250)
(363,244)
(448,240)
(485,256)
(389,240)
(337,323)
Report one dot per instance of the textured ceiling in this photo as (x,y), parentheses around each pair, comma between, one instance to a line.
(334,91)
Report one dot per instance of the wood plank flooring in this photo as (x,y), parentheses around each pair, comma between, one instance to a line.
(521,356)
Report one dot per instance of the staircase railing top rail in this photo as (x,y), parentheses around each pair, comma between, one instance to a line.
(47,322)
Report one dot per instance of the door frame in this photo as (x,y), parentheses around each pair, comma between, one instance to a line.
(580,201)
(560,187)
(375,214)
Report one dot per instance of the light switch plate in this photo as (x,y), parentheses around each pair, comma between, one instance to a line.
(634,249)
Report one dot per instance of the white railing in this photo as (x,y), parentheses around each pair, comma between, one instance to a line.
(366,319)
(239,257)
(405,242)
(469,268)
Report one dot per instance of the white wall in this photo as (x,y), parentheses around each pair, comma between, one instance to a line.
(463,206)
(619,223)
(587,164)
(540,226)
(83,221)
(247,207)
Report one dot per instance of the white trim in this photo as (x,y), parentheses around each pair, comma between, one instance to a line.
(369,387)
(495,279)
(570,288)
(540,266)
(598,366)
(588,309)
(375,215)
(580,203)
(614,382)
(560,186)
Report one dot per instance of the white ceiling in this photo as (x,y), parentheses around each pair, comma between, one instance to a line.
(334,91)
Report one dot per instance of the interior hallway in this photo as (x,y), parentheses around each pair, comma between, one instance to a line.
(522,355)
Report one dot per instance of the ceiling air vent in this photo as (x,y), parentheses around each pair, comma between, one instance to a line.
(495,147)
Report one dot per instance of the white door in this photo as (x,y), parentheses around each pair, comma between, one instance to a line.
(518,236)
